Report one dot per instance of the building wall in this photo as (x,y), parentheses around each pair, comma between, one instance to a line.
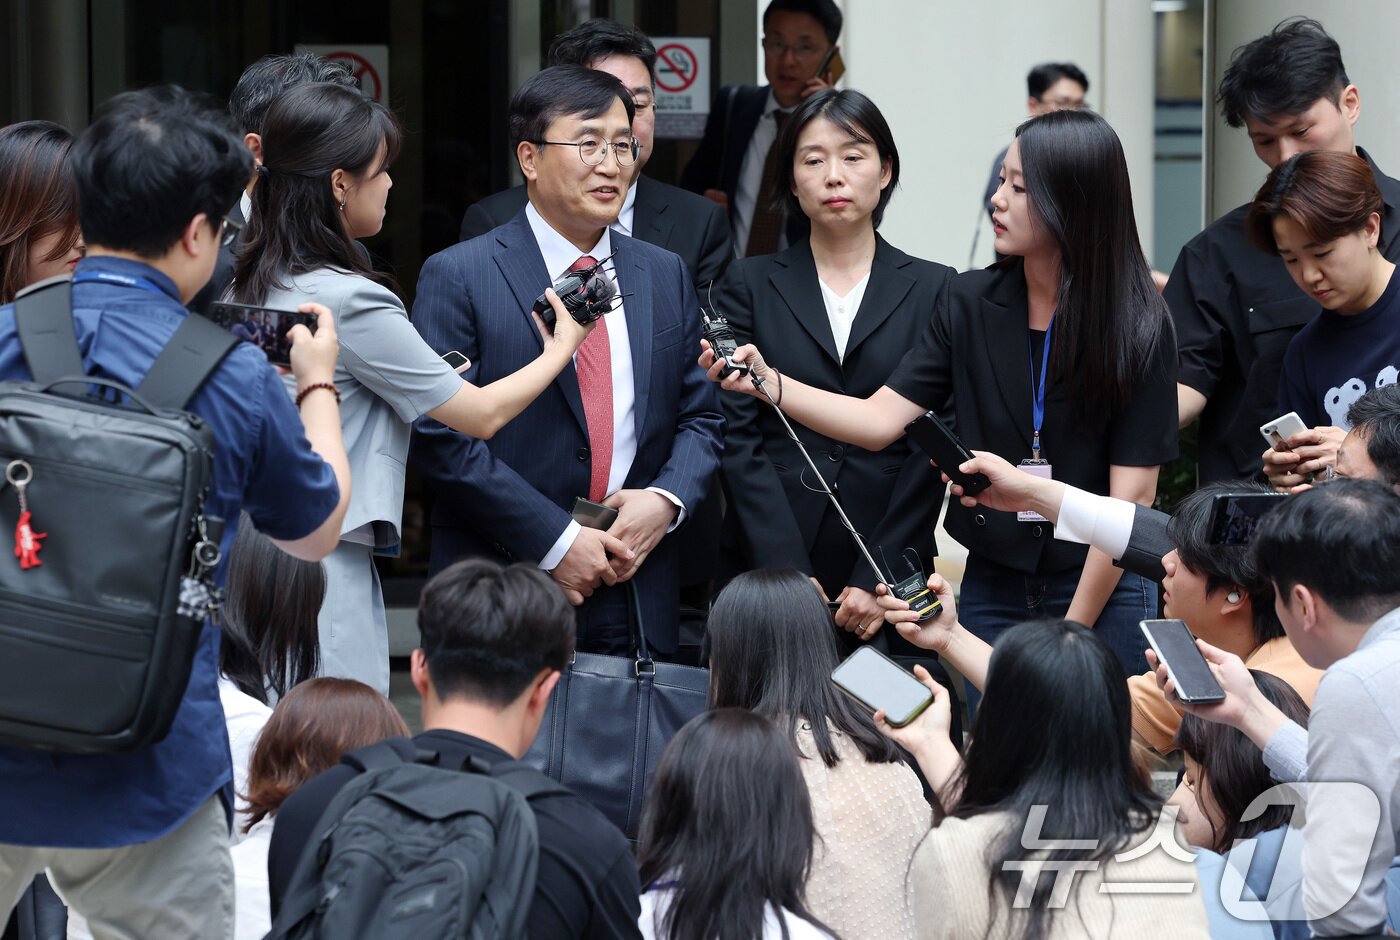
(950,78)
(1366,30)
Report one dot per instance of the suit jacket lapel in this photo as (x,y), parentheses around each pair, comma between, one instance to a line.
(650,220)
(796,282)
(521,264)
(635,282)
(886,290)
(1004,332)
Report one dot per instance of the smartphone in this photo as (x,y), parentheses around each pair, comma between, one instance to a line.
(1278,431)
(1186,667)
(1234,516)
(457,361)
(935,439)
(875,681)
(832,67)
(593,515)
(263,327)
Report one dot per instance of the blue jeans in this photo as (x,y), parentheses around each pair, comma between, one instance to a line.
(994,599)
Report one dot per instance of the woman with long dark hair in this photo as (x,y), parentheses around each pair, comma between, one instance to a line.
(726,836)
(844,306)
(1049,760)
(326,152)
(772,649)
(1061,357)
(39,235)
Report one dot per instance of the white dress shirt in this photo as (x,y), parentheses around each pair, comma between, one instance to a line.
(559,255)
(1101,522)
(751,178)
(628,213)
(841,311)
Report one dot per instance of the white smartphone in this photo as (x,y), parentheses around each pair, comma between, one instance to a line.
(1278,431)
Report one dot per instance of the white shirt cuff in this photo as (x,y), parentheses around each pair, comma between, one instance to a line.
(561,546)
(1103,522)
(680,516)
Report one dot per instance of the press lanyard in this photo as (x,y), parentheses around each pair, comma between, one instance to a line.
(1038,392)
(108,277)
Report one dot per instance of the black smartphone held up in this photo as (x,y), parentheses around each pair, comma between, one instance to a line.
(264,327)
(832,66)
(935,439)
(875,681)
(1186,667)
(1234,516)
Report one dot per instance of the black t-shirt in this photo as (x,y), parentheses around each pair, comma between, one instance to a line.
(1236,309)
(1336,359)
(978,350)
(586,885)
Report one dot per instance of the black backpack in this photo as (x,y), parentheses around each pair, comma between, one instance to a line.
(420,852)
(104,598)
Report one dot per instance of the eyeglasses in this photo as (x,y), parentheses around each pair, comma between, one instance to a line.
(229,230)
(801,52)
(593,151)
(1067,104)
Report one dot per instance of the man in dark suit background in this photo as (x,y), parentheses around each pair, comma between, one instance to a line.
(732,165)
(261,82)
(653,211)
(632,423)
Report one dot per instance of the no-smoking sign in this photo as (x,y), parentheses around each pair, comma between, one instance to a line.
(682,86)
(676,68)
(369,65)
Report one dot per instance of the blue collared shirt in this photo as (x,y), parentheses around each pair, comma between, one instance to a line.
(263,465)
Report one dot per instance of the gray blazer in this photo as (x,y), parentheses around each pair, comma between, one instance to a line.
(388,377)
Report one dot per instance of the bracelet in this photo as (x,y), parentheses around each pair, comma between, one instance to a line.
(328,386)
(779,402)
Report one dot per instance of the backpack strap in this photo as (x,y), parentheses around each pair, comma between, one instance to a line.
(44,324)
(187,360)
(528,781)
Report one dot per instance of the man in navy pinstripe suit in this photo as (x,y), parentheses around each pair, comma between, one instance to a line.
(632,423)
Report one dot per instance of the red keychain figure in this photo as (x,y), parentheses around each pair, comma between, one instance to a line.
(27,546)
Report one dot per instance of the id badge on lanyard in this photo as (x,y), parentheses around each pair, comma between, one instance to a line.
(1035,466)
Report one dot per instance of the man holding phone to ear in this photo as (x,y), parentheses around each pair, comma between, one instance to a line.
(735,164)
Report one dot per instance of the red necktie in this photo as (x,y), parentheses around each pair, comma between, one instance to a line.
(593,362)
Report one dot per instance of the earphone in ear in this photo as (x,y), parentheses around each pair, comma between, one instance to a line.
(1233,597)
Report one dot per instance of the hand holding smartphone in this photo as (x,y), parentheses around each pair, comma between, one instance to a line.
(263,327)
(935,439)
(1278,431)
(1176,649)
(877,682)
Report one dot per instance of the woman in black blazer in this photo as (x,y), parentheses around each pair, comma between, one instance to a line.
(843,306)
(1063,352)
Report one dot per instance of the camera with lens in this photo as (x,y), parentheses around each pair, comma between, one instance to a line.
(587,294)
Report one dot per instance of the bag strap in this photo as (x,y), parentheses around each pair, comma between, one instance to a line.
(186,362)
(639,633)
(44,324)
(528,781)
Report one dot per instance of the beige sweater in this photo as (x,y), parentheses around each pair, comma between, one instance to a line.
(949,879)
(869,818)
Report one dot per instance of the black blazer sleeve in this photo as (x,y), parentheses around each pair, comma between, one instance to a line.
(716,249)
(1147,544)
(758,505)
(707,163)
